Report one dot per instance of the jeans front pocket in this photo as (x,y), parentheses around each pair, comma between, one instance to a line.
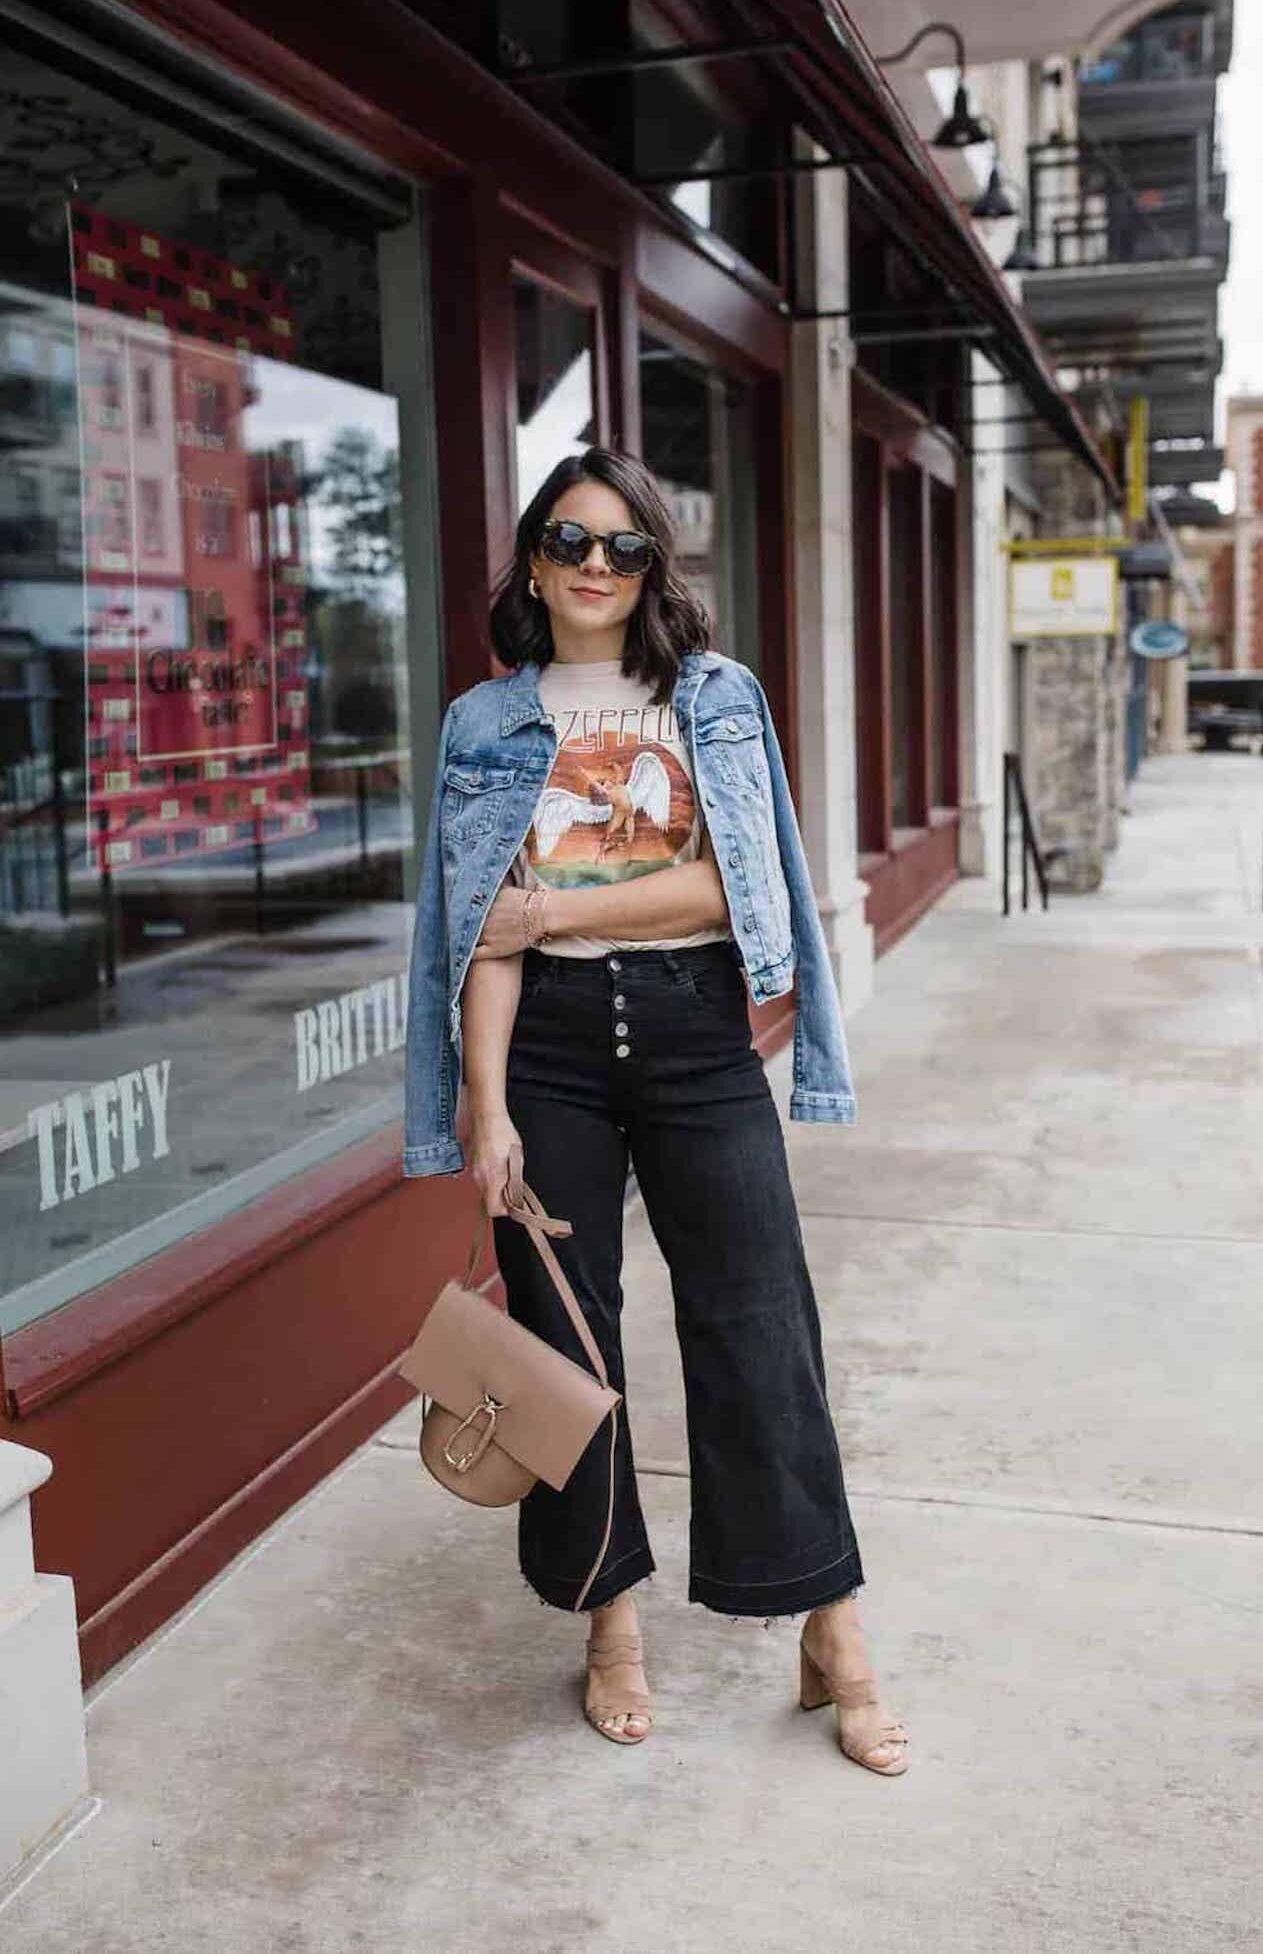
(714,986)
(540,975)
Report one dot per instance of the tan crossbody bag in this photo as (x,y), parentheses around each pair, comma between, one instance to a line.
(505,1408)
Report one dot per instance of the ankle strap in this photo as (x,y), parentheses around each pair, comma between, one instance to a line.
(630,1643)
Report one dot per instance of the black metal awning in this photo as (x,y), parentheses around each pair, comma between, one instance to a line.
(842,99)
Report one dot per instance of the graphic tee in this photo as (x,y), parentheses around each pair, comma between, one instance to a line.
(620,800)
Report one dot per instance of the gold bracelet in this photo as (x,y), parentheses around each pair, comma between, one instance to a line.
(534,932)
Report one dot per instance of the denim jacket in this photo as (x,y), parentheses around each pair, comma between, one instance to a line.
(496,750)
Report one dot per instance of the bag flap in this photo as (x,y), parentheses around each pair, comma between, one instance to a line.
(552,1406)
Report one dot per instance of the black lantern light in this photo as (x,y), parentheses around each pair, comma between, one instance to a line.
(963,128)
(995,201)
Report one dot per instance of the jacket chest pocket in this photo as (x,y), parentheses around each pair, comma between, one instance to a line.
(473,800)
(730,747)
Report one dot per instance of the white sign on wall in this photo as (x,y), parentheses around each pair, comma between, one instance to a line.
(1063,596)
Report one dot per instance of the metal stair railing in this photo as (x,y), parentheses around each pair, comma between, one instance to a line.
(1032,854)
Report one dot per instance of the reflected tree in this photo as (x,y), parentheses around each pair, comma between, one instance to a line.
(359,492)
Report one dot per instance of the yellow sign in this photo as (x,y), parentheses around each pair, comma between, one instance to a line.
(1138,458)
(1063,596)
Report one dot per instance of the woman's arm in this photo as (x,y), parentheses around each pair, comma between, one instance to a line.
(669,903)
(488,1010)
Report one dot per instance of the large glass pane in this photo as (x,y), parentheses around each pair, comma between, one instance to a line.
(209,615)
(556,399)
(905,643)
(698,437)
(868,571)
(942,644)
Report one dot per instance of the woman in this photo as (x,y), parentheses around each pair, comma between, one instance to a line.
(600,1006)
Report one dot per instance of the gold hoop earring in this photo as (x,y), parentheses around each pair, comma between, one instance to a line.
(533,587)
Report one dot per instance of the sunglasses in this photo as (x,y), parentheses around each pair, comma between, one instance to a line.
(628,552)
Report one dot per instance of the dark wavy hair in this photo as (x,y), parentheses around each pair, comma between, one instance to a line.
(668,620)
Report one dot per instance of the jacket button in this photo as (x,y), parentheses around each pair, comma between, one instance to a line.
(475,898)
(749,922)
(734,860)
(731,726)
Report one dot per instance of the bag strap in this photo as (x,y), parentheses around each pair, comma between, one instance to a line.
(539,1225)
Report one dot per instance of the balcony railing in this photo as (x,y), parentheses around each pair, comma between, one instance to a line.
(1135,202)
(1177,48)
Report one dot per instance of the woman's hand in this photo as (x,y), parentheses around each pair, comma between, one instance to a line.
(495,1158)
(514,922)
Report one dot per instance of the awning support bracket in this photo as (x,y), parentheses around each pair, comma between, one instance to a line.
(638,61)
(751,172)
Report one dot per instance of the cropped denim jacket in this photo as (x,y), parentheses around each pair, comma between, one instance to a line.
(495,752)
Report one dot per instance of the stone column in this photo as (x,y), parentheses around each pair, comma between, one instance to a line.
(1171,677)
(821,408)
(1173,684)
(1074,763)
(1072,756)
(44,1774)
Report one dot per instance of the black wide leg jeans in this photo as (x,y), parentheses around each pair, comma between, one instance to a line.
(645,1057)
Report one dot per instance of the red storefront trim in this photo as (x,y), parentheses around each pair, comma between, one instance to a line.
(903,884)
(53,1355)
(172,1580)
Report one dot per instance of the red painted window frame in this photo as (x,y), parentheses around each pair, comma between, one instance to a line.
(908,868)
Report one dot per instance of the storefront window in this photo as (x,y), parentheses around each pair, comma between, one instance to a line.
(698,438)
(556,405)
(217,663)
(942,621)
(905,644)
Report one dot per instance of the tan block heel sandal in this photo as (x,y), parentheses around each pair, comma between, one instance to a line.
(862,1744)
(603,1704)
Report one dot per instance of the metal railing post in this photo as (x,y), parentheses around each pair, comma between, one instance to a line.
(1032,854)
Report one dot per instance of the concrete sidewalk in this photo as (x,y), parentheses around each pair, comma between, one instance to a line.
(1040,1263)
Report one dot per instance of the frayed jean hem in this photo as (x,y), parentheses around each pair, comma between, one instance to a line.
(793,1597)
(610,1582)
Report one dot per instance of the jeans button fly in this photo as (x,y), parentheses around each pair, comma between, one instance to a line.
(620,1031)
(614,965)
(622,1051)
(620,1002)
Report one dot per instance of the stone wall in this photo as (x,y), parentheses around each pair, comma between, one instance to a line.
(1067,763)
(1074,730)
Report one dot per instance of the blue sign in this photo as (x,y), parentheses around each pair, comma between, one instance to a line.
(1158,639)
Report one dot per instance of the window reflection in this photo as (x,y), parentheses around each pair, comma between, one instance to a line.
(205,636)
(698,438)
(906,731)
(556,408)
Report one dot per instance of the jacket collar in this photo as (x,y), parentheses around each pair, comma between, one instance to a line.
(521,689)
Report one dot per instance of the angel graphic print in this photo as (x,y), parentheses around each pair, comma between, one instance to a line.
(619,801)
